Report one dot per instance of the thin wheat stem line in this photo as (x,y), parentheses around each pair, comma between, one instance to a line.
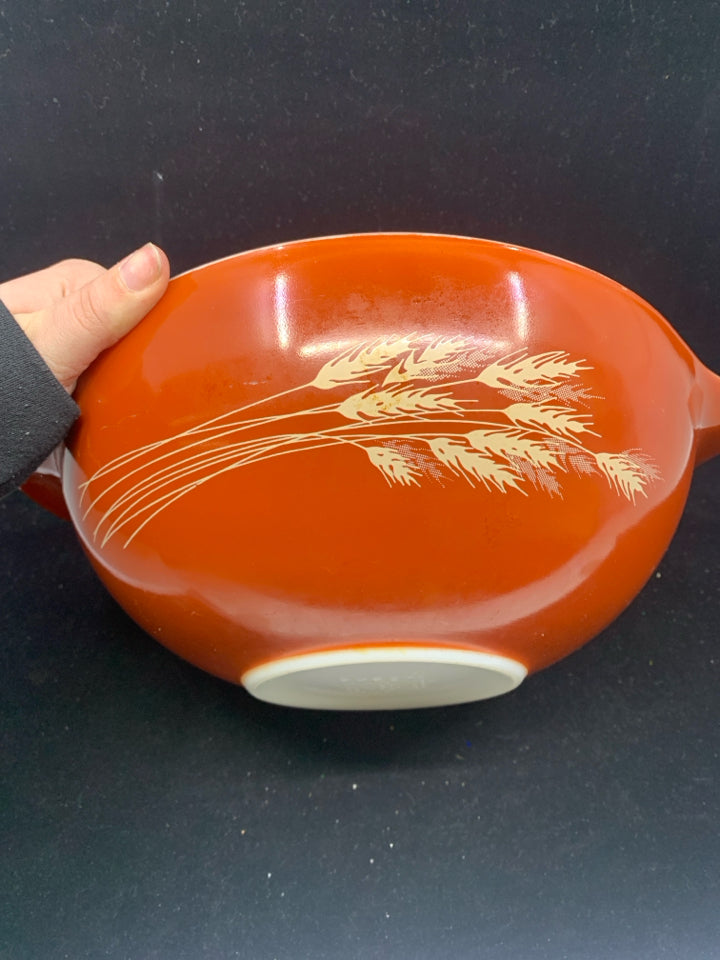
(267,445)
(228,429)
(171,498)
(136,506)
(233,428)
(199,428)
(341,431)
(460,383)
(523,432)
(398,420)
(140,490)
(251,456)
(498,446)
(315,441)
(261,452)
(187,465)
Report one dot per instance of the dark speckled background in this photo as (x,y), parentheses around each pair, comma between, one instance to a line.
(150,812)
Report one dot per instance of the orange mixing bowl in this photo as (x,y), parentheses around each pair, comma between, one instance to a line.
(388,470)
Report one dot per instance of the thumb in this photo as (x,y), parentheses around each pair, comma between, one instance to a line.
(71,333)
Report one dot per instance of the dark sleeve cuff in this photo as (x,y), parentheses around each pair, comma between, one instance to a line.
(35,410)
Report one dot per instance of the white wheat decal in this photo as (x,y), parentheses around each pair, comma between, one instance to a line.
(420,409)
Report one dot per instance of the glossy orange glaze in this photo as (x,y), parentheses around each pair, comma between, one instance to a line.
(386,439)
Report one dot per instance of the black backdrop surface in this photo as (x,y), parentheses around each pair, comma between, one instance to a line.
(150,811)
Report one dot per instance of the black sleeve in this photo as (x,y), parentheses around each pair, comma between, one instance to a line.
(35,410)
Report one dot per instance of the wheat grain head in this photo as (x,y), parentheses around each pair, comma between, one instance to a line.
(466,462)
(514,444)
(444,357)
(539,477)
(525,372)
(396,468)
(387,404)
(629,472)
(364,360)
(560,420)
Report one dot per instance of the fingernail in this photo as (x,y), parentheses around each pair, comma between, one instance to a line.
(141,268)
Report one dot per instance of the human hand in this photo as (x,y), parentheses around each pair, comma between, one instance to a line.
(75,309)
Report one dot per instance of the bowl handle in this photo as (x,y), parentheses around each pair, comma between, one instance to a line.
(707,426)
(45,485)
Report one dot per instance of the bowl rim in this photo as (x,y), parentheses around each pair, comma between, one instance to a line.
(382,234)
(670,329)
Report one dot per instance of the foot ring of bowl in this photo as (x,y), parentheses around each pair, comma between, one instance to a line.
(384,677)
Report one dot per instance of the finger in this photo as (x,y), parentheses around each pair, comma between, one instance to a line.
(71,334)
(38,290)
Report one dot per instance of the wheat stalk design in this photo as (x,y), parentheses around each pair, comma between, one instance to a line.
(410,405)
(441,359)
(550,417)
(363,361)
(389,404)
(526,372)
(395,466)
(463,460)
(629,473)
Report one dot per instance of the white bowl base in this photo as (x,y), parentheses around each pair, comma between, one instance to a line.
(384,678)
